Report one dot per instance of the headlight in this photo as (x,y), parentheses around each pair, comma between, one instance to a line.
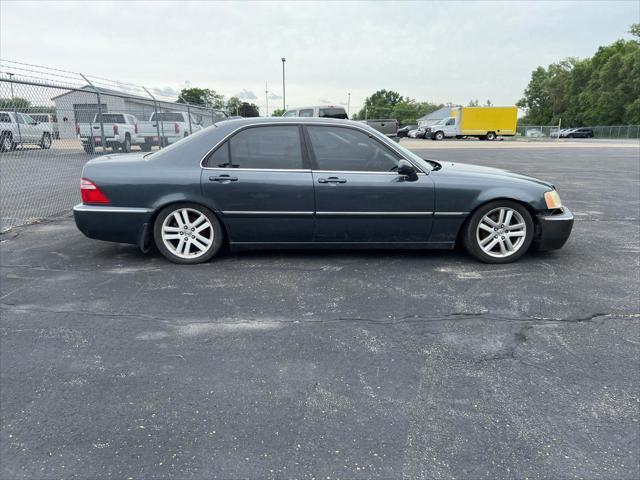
(553,200)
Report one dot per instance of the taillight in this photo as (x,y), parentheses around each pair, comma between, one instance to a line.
(176,127)
(135,128)
(91,193)
(77,129)
(115,129)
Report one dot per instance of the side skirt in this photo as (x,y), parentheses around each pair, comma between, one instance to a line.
(237,246)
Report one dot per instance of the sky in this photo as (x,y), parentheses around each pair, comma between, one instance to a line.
(428,51)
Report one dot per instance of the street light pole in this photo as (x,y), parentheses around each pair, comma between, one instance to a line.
(284,100)
(266,96)
(349,104)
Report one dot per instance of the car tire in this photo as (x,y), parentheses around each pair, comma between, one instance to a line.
(438,136)
(45,142)
(491,136)
(126,145)
(491,241)
(88,148)
(196,244)
(6,143)
(145,147)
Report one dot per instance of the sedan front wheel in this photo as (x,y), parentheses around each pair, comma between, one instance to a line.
(499,232)
(187,233)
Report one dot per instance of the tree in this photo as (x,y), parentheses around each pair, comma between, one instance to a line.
(278,112)
(248,110)
(17,103)
(233,105)
(473,103)
(201,96)
(408,111)
(603,89)
(380,104)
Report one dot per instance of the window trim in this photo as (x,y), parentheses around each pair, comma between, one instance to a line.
(227,141)
(205,157)
(314,162)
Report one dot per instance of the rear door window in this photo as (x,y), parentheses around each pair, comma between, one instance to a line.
(307,112)
(272,147)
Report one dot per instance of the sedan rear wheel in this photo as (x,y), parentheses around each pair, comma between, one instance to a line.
(187,233)
(499,232)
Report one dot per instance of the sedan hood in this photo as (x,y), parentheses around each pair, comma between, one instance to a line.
(471,170)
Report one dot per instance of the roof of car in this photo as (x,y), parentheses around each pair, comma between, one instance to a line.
(275,120)
(316,106)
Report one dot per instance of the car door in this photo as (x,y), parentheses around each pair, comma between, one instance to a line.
(260,182)
(450,128)
(359,195)
(29,129)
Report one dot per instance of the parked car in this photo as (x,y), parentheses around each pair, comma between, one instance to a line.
(48,118)
(120,131)
(386,126)
(533,133)
(171,127)
(309,182)
(578,133)
(485,123)
(21,129)
(419,132)
(404,131)
(320,111)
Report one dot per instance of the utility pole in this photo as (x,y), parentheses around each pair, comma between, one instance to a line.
(349,105)
(266,96)
(284,101)
(15,112)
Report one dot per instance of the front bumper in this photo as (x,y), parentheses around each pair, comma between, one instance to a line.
(113,224)
(553,230)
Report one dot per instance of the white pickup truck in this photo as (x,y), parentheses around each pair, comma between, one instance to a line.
(171,127)
(120,131)
(20,129)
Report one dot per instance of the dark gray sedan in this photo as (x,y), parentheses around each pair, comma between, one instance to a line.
(307,182)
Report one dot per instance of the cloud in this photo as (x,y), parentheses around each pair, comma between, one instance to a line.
(246,95)
(166,91)
(275,96)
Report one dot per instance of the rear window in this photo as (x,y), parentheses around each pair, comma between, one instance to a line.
(167,117)
(333,113)
(111,118)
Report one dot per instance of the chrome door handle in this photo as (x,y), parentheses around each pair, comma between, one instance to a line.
(223,178)
(332,180)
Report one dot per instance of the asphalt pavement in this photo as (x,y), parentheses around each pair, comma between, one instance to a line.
(332,364)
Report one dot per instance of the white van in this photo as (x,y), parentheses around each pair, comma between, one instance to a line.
(322,111)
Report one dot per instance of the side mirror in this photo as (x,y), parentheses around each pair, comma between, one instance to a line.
(408,170)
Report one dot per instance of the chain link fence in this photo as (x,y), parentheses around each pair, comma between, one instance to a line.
(52,122)
(620,132)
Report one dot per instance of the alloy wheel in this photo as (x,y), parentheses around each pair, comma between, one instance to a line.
(187,233)
(501,232)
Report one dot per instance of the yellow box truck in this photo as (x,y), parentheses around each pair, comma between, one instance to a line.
(485,123)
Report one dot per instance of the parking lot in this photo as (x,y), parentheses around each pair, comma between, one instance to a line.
(332,364)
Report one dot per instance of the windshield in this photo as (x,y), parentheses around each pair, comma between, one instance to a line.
(110,118)
(332,113)
(167,117)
